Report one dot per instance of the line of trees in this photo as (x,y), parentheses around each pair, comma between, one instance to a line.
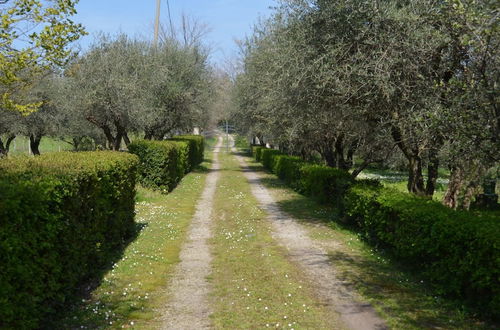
(359,82)
(118,87)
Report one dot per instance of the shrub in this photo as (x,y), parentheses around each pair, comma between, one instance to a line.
(268,156)
(196,149)
(458,252)
(326,184)
(287,168)
(61,217)
(257,151)
(162,163)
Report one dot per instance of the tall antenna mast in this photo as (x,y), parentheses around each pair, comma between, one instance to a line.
(157,22)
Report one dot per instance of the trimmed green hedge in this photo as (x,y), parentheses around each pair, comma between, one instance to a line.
(196,149)
(61,217)
(268,156)
(325,184)
(257,151)
(287,168)
(459,252)
(164,163)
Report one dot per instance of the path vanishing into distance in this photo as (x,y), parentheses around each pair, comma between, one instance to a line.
(189,307)
(313,260)
(232,247)
(256,271)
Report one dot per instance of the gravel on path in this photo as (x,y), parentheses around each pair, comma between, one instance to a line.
(314,261)
(189,308)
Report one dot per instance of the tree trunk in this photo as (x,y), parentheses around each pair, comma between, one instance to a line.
(360,168)
(35,144)
(118,141)
(339,152)
(329,157)
(432,172)
(470,191)
(454,186)
(415,179)
(148,135)
(126,139)
(4,149)
(350,154)
(261,140)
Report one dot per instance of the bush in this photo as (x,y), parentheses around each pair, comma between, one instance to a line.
(257,151)
(325,184)
(162,163)
(268,156)
(61,217)
(458,252)
(287,168)
(196,149)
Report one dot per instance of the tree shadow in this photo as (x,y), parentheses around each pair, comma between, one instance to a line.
(407,298)
(376,273)
(242,152)
(83,291)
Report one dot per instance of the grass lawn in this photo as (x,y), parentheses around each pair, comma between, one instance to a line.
(403,299)
(255,286)
(399,180)
(133,291)
(21,146)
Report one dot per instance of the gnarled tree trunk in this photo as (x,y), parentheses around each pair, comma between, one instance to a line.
(4,148)
(35,140)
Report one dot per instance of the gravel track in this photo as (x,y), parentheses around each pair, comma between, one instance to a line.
(314,261)
(189,308)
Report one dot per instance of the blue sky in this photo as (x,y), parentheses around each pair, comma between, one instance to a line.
(228,19)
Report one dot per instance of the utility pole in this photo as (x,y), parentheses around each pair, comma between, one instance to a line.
(157,22)
(227,137)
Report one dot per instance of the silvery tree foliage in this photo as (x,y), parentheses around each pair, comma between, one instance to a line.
(353,81)
(125,86)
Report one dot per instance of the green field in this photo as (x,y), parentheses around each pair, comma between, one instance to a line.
(21,145)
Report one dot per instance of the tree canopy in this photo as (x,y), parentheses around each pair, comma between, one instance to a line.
(357,82)
(34,37)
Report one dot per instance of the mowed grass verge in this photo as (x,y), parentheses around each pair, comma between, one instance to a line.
(133,293)
(404,300)
(254,284)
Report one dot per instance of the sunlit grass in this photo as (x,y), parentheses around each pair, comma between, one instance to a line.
(21,146)
(133,292)
(255,286)
(399,180)
(403,299)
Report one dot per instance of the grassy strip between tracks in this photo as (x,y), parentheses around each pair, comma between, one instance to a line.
(255,286)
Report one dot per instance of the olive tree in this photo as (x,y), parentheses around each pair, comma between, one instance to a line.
(354,79)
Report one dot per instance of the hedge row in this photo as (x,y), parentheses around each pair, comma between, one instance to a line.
(196,149)
(61,217)
(458,252)
(323,183)
(164,163)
